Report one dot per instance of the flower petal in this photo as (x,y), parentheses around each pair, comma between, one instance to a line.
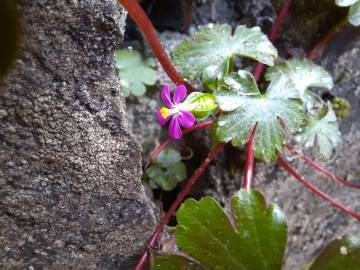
(165,96)
(174,128)
(160,119)
(186,119)
(180,94)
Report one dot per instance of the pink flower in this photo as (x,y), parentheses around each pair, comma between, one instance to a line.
(175,110)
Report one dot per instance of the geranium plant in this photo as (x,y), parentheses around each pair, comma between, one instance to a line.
(136,73)
(251,235)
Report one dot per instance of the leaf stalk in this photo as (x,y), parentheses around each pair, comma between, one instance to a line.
(321,169)
(274,34)
(250,159)
(315,190)
(162,146)
(159,229)
(142,20)
(319,48)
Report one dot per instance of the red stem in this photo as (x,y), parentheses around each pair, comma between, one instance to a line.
(314,189)
(318,49)
(161,147)
(258,71)
(212,155)
(142,262)
(274,34)
(321,169)
(249,164)
(139,16)
(188,4)
(142,20)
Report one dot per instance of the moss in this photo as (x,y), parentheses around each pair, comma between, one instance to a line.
(341,107)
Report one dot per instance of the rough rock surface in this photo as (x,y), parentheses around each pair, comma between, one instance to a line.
(70,190)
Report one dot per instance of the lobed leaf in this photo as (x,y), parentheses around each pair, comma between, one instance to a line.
(135,73)
(244,107)
(354,12)
(216,45)
(167,171)
(345,3)
(322,131)
(302,74)
(340,254)
(166,178)
(253,239)
(168,157)
(212,75)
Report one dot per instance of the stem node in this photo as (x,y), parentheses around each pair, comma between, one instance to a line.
(142,20)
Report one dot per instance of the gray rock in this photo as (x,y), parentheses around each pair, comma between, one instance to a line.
(70,190)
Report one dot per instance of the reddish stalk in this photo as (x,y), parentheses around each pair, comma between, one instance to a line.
(211,156)
(321,169)
(188,4)
(273,35)
(139,16)
(142,20)
(161,147)
(315,190)
(318,49)
(249,164)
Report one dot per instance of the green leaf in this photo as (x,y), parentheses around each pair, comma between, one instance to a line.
(244,107)
(216,45)
(176,262)
(342,254)
(212,75)
(167,171)
(135,72)
(253,239)
(341,107)
(127,59)
(345,3)
(323,131)
(9,35)
(166,178)
(168,157)
(354,14)
(137,88)
(200,104)
(303,74)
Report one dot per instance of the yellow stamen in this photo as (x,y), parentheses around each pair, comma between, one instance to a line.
(164,112)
